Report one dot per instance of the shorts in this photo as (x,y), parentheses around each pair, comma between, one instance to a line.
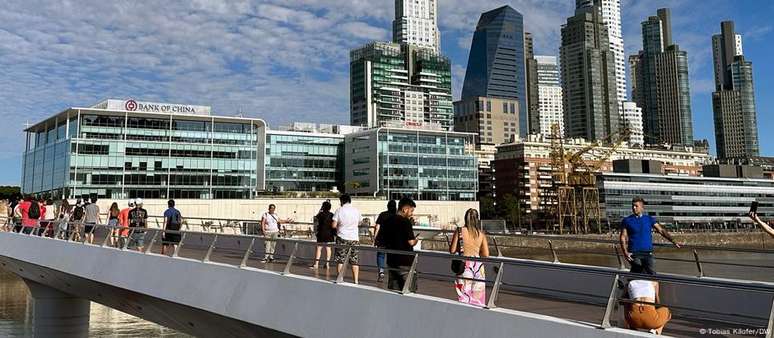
(138,240)
(341,252)
(643,316)
(88,227)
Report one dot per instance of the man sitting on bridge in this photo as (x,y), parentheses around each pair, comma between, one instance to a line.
(637,230)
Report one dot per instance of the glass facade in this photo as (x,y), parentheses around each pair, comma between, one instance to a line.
(149,155)
(297,161)
(686,200)
(496,61)
(420,164)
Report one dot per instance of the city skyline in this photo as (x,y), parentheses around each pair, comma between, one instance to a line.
(247,57)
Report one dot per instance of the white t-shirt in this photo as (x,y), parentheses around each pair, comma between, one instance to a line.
(641,288)
(347,219)
(272,222)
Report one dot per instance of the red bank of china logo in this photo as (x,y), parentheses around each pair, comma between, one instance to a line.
(131,105)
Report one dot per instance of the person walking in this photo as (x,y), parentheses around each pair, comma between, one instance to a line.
(392,209)
(172,222)
(346,221)
(270,223)
(76,221)
(123,222)
(30,214)
(471,241)
(63,220)
(636,238)
(643,314)
(397,233)
(113,213)
(324,234)
(138,221)
(49,218)
(91,218)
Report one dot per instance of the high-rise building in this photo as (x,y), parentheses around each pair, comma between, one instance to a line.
(416,23)
(493,120)
(733,102)
(632,118)
(611,15)
(496,61)
(550,104)
(400,83)
(533,97)
(661,84)
(588,77)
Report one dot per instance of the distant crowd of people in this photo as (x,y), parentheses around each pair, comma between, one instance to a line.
(77,221)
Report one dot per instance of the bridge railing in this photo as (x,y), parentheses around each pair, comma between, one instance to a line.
(505,284)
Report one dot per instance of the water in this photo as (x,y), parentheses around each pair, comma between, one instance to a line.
(16,316)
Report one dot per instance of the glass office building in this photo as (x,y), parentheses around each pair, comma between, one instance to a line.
(304,161)
(422,164)
(126,149)
(686,200)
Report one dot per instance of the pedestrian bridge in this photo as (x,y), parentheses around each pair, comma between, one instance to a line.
(216,286)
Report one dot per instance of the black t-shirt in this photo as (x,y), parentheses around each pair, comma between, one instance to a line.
(379,240)
(396,231)
(137,218)
(324,220)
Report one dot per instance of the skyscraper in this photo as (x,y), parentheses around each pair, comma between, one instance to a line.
(550,104)
(496,61)
(733,102)
(632,119)
(416,22)
(588,77)
(660,84)
(611,15)
(533,98)
(400,85)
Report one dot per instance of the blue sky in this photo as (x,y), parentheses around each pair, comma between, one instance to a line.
(287,60)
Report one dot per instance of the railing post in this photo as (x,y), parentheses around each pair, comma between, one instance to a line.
(128,238)
(153,239)
(698,263)
(496,287)
(209,251)
(340,276)
(621,265)
(180,244)
(770,327)
(553,252)
(247,254)
(611,303)
(107,237)
(290,259)
(497,248)
(412,274)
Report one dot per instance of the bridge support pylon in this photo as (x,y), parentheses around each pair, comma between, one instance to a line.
(57,314)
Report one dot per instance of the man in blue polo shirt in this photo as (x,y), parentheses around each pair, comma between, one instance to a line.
(637,238)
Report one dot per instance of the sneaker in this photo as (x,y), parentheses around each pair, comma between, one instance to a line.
(264,261)
(381,277)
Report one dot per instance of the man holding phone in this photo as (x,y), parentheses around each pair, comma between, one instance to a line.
(637,238)
(753,214)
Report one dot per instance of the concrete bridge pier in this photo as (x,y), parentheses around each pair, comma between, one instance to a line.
(57,314)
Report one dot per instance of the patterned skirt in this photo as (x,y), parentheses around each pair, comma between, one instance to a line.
(472,291)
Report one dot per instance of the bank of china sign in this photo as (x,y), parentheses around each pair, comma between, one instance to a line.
(140,106)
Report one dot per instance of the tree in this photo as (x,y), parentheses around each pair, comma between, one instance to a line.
(488,207)
(510,209)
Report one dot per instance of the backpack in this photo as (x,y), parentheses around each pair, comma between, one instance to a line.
(174,220)
(34,211)
(77,213)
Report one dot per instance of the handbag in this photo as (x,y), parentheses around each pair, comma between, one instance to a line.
(458,265)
